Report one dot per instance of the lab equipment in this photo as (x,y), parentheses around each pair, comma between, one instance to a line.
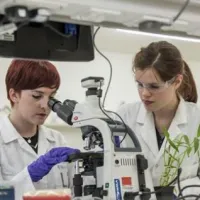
(62,30)
(119,172)
(179,18)
(50,40)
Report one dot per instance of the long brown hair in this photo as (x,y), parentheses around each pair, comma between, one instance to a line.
(166,59)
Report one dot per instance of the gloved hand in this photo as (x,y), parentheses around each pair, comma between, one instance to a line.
(41,167)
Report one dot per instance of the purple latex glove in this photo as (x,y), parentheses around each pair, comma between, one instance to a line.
(41,167)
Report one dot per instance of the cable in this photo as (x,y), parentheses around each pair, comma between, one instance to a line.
(181,10)
(110,65)
(122,122)
(179,185)
(188,186)
(104,112)
(56,31)
(188,196)
(108,86)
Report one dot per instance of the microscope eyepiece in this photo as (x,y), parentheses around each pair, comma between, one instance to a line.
(63,110)
(54,104)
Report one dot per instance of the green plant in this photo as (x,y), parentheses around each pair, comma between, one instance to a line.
(175,152)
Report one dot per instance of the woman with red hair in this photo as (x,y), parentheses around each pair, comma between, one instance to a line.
(30,152)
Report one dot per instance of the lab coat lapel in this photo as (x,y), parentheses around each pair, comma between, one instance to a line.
(174,131)
(46,140)
(26,147)
(148,133)
(13,135)
(180,119)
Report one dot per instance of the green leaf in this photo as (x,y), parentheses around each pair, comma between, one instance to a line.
(170,166)
(171,156)
(184,145)
(198,131)
(196,144)
(186,139)
(189,149)
(172,144)
(166,133)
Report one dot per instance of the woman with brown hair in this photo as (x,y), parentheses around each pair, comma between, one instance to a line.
(168,100)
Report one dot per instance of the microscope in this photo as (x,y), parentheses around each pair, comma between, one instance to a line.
(120,171)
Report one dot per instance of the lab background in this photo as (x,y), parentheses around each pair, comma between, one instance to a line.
(120,48)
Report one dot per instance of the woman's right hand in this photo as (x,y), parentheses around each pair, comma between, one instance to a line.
(41,167)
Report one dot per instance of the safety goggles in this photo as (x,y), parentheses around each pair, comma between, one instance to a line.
(155,87)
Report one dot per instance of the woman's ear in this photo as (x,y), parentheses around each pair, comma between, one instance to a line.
(13,95)
(178,81)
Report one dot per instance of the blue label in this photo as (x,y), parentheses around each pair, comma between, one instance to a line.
(117,189)
(7,193)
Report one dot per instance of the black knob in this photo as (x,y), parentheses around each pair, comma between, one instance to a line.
(117,162)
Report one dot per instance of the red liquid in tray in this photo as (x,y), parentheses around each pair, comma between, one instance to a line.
(48,198)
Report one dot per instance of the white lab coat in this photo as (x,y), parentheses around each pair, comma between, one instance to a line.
(186,120)
(16,155)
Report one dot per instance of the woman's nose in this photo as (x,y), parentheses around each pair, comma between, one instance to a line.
(44,103)
(145,92)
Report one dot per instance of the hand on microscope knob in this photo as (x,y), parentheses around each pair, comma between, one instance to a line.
(41,167)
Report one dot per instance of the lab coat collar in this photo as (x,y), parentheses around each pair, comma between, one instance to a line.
(45,139)
(181,113)
(8,131)
(142,114)
(180,117)
(148,131)
(10,134)
(47,134)
(174,130)
(7,126)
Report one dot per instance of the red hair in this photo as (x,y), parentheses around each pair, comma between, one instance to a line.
(31,74)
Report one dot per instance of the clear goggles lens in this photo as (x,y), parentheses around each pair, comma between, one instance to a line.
(155,87)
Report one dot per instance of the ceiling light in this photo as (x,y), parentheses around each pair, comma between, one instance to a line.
(173,37)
